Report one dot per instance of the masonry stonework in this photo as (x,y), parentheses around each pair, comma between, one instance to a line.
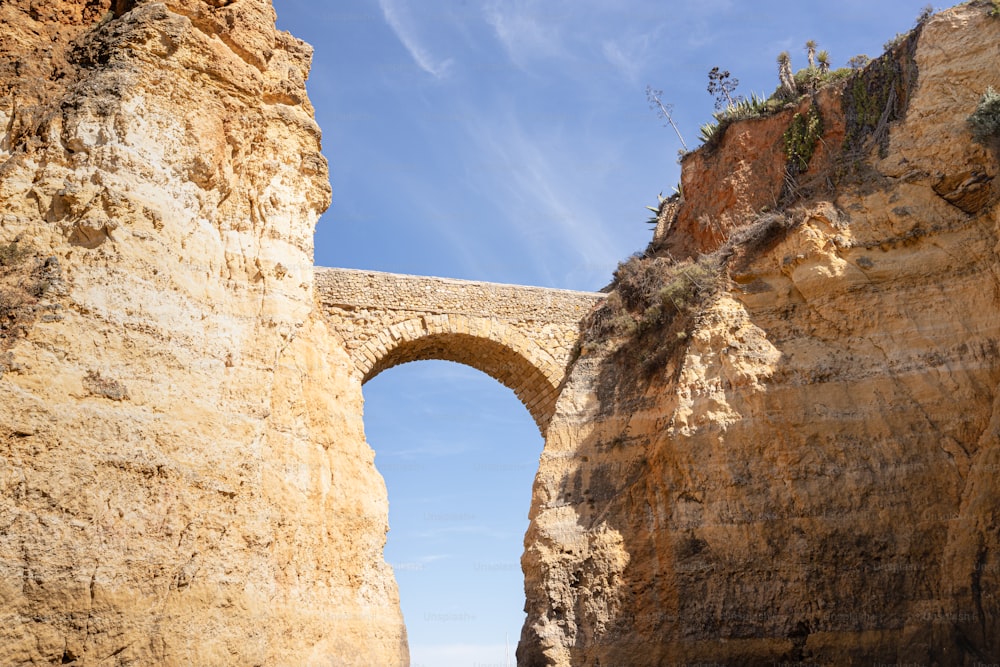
(524,337)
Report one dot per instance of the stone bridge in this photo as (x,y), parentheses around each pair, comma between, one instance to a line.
(524,337)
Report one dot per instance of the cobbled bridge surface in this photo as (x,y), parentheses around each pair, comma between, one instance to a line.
(524,337)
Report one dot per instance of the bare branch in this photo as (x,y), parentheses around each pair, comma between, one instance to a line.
(664,111)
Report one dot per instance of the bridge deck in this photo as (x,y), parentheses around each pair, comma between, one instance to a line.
(398,291)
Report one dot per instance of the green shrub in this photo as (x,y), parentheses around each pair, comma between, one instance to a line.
(925,15)
(647,320)
(751,107)
(877,96)
(858,62)
(688,283)
(610,320)
(985,120)
(807,79)
(838,74)
(801,138)
(657,210)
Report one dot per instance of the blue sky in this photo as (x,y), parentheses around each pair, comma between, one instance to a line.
(511,141)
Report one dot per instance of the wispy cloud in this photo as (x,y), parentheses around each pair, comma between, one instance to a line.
(525,33)
(543,201)
(630,53)
(625,63)
(430,449)
(398,19)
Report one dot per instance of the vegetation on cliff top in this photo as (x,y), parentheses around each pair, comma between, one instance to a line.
(657,299)
(792,87)
(871,92)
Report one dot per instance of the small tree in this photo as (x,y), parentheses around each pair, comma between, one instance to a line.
(858,62)
(785,73)
(811,53)
(664,111)
(722,87)
(823,58)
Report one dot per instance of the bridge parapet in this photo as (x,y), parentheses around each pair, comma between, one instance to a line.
(522,336)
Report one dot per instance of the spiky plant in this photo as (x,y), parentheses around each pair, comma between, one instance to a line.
(751,107)
(823,58)
(811,53)
(708,131)
(655,218)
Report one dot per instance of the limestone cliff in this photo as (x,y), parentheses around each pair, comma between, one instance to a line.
(803,468)
(183,473)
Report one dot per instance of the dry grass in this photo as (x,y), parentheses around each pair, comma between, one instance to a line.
(648,318)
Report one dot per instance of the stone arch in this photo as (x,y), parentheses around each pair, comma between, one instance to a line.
(483,343)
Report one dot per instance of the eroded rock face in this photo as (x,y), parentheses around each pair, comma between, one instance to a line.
(814,478)
(183,473)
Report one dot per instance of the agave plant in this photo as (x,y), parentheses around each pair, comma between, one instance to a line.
(754,106)
(655,218)
(750,107)
(708,131)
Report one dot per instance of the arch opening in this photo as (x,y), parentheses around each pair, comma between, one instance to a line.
(519,365)
(458,504)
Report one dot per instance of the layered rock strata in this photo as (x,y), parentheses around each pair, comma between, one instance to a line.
(812,477)
(183,473)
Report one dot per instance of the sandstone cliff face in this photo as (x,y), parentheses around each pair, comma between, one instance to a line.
(183,473)
(813,478)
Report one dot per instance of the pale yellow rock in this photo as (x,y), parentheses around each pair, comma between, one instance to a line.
(183,473)
(812,479)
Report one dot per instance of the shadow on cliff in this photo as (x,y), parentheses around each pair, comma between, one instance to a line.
(779,474)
